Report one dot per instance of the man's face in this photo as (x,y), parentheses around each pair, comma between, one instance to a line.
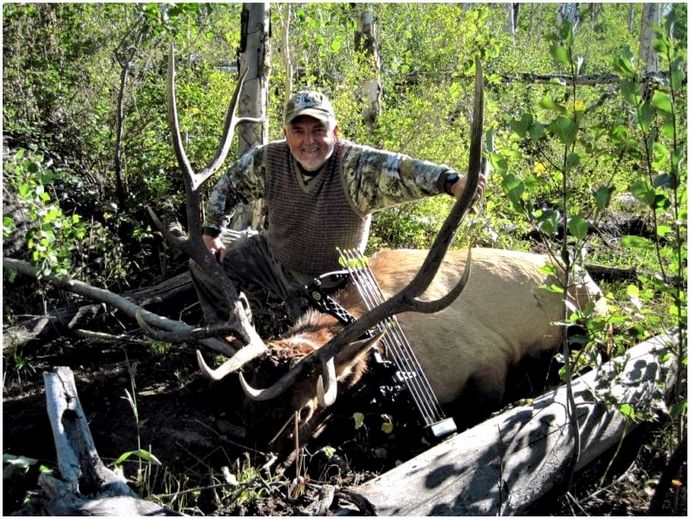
(311,141)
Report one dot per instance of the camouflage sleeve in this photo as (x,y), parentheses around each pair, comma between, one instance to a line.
(243,181)
(377,179)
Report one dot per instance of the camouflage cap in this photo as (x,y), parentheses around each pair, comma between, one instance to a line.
(310,103)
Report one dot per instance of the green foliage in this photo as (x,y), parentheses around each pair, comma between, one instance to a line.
(54,235)
(562,165)
(564,155)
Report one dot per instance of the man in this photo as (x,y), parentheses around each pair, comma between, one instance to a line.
(320,191)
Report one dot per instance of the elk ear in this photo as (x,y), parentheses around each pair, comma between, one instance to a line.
(351,353)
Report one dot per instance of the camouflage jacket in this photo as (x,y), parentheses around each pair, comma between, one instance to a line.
(375,179)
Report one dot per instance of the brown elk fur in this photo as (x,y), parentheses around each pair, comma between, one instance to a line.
(503,316)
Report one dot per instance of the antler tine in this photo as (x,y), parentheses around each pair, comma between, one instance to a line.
(326,383)
(228,130)
(193,245)
(445,236)
(430,307)
(244,355)
(327,391)
(173,120)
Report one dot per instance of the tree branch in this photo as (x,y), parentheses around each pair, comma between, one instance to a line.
(117,301)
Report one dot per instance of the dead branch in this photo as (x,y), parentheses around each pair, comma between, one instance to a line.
(117,301)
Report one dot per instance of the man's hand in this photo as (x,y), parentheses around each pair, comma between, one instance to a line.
(459,187)
(215,246)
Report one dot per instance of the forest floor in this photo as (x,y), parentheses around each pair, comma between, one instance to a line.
(213,453)
(196,428)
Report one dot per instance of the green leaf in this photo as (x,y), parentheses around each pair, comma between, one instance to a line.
(548,103)
(522,126)
(564,128)
(631,93)
(643,192)
(627,411)
(556,289)
(663,230)
(573,160)
(536,131)
(578,227)
(559,54)
(677,78)
(489,140)
(645,115)
(668,130)
(623,65)
(548,221)
(47,177)
(661,201)
(498,162)
(514,188)
(359,420)
(548,270)
(662,102)
(139,453)
(7,223)
(14,466)
(603,197)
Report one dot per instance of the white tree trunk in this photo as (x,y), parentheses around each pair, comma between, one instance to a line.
(366,42)
(651,15)
(286,18)
(85,486)
(568,12)
(631,16)
(255,62)
(255,50)
(513,10)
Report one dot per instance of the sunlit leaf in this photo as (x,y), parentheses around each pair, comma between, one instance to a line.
(603,197)
(564,128)
(662,102)
(578,227)
(359,419)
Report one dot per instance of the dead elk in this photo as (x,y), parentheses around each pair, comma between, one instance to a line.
(504,315)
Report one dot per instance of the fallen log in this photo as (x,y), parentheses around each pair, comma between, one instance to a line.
(62,321)
(125,305)
(86,486)
(506,463)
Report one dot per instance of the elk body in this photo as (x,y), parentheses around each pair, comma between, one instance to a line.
(503,316)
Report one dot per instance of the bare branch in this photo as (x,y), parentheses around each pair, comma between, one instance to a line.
(119,302)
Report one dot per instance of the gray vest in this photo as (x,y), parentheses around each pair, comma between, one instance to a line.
(307,222)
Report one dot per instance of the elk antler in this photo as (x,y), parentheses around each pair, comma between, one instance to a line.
(193,245)
(407,299)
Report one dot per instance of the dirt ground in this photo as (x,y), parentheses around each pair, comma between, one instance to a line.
(192,426)
(196,428)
